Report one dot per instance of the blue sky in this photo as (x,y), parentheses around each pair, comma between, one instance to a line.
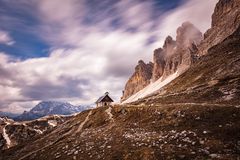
(74,50)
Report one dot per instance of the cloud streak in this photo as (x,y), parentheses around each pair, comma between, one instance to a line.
(5,38)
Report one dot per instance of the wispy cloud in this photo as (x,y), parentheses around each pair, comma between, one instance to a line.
(197,12)
(94,48)
(5,38)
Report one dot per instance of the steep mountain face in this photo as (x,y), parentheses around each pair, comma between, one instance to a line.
(215,78)
(225,20)
(140,79)
(175,56)
(48,108)
(179,57)
(14,133)
(159,58)
(190,45)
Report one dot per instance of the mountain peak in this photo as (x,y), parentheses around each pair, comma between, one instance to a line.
(45,108)
(166,60)
(187,34)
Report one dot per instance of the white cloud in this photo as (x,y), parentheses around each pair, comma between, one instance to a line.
(5,38)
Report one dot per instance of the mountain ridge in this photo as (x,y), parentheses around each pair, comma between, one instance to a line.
(175,55)
(45,108)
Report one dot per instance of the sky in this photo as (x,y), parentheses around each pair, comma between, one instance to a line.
(76,50)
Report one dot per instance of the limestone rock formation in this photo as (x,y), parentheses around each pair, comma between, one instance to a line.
(181,57)
(173,56)
(190,44)
(176,55)
(140,79)
(158,64)
(225,20)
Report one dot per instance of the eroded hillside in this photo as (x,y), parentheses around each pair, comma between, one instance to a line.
(176,131)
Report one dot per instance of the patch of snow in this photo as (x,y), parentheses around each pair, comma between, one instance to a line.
(151,88)
(6,137)
(52,123)
(38,131)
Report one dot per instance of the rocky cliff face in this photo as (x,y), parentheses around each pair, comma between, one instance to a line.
(161,56)
(173,56)
(180,54)
(225,20)
(140,79)
(180,57)
(158,64)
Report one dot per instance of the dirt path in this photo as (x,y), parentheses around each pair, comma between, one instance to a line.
(82,124)
(199,104)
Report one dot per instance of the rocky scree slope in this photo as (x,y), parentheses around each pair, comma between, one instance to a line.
(13,133)
(133,132)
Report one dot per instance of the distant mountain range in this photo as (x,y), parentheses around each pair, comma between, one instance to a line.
(49,108)
(8,114)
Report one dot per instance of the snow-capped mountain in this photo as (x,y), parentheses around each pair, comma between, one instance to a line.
(49,108)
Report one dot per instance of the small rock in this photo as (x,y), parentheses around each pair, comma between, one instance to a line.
(205,151)
(58,156)
(181,156)
(213,155)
